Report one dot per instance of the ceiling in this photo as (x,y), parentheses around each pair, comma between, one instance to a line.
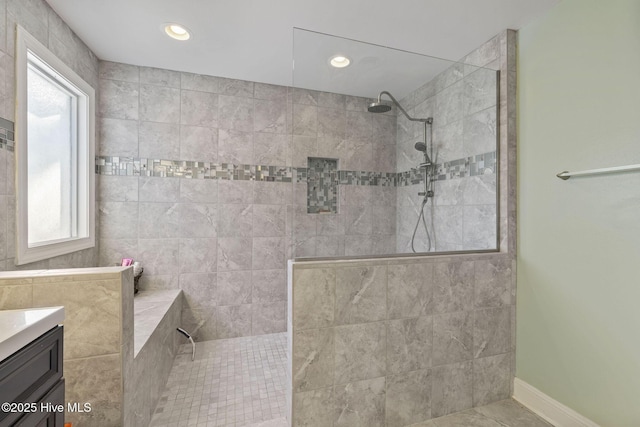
(254,39)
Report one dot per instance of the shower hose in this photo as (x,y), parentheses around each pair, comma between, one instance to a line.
(421,217)
(428,193)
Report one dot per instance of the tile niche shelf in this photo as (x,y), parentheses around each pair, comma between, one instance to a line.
(322,186)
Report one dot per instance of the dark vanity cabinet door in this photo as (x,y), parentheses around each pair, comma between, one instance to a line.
(33,376)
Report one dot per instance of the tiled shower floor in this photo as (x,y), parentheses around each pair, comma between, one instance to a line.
(234,382)
(240,382)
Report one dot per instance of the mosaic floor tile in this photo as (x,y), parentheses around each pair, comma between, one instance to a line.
(237,382)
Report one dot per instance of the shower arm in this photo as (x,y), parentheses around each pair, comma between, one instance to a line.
(395,101)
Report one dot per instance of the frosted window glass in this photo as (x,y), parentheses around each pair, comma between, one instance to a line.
(51,159)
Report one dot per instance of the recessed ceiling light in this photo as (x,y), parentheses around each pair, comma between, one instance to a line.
(339,61)
(176,31)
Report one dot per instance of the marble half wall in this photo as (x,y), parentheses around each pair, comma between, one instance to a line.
(98,332)
(393,342)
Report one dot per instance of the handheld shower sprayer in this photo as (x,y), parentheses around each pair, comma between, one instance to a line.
(421,146)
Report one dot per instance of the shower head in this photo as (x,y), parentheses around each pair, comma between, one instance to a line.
(378,107)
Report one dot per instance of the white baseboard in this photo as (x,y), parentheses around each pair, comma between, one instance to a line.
(547,408)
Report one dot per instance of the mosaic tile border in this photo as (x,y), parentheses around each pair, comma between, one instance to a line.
(481,164)
(7,135)
(134,166)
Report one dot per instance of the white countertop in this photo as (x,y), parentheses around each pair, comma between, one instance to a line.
(19,327)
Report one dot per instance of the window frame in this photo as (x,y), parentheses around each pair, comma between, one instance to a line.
(85,159)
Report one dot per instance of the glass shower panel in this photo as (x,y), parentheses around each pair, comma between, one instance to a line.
(415,141)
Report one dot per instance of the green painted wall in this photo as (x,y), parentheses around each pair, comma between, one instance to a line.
(578,330)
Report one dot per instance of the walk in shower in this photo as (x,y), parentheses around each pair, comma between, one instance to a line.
(405,144)
(374,164)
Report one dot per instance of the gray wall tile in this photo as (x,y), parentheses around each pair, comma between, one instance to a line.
(491,379)
(410,290)
(235,220)
(198,82)
(159,140)
(271,149)
(270,116)
(198,255)
(234,288)
(118,100)
(235,147)
(235,113)
(453,286)
(157,220)
(235,191)
(198,108)
(361,295)
(198,143)
(314,298)
(198,191)
(492,283)
(236,87)
(313,359)
(233,321)
(268,253)
(117,137)
(305,120)
(453,337)
(452,388)
(491,332)
(360,403)
(269,286)
(268,318)
(160,77)
(360,352)
(408,398)
(314,408)
(119,71)
(199,290)
(269,220)
(159,104)
(409,344)
(198,220)
(234,253)
(158,255)
(117,188)
(118,220)
(158,189)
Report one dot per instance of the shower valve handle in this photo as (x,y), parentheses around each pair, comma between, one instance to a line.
(428,193)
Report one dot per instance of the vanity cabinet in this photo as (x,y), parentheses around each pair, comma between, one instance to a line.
(31,379)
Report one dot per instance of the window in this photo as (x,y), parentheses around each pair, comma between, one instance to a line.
(54,155)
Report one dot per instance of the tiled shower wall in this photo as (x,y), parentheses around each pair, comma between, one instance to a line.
(462,101)
(45,25)
(225,242)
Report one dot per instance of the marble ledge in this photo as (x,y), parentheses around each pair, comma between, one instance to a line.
(149,308)
(311,263)
(60,275)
